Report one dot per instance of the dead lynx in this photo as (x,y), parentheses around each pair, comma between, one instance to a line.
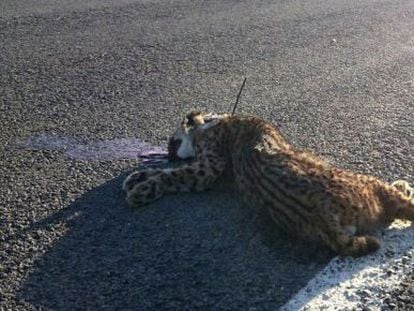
(301,192)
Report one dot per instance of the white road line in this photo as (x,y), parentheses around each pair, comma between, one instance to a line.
(349,284)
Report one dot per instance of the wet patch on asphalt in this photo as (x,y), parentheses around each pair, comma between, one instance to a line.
(103,150)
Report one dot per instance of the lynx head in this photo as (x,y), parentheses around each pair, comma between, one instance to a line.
(181,145)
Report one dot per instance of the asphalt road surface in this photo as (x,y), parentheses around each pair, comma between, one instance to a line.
(336,75)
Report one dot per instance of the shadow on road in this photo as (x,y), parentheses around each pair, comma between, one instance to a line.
(187,251)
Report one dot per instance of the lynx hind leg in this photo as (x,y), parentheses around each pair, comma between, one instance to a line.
(344,243)
(360,246)
(404,187)
(398,199)
(354,246)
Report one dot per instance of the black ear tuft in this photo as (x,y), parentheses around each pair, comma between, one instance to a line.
(191,117)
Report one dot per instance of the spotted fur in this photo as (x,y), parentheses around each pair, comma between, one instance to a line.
(302,193)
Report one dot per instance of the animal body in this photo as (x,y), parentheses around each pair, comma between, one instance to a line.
(302,193)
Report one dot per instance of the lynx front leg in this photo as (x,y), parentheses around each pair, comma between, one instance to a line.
(143,187)
(195,177)
(147,186)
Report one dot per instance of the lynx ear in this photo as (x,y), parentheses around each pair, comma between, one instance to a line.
(209,124)
(198,119)
(194,118)
(204,120)
(212,119)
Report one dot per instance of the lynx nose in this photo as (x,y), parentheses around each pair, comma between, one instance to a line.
(173,146)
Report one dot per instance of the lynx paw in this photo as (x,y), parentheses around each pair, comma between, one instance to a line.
(144,193)
(404,187)
(361,246)
(142,187)
(137,178)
